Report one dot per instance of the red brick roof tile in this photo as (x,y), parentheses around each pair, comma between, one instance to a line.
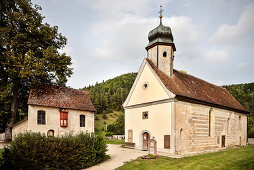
(185,85)
(61,97)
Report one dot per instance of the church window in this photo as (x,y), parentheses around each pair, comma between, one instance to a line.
(63,118)
(82,120)
(218,139)
(145,115)
(181,133)
(240,123)
(164,54)
(41,117)
(228,125)
(209,121)
(145,85)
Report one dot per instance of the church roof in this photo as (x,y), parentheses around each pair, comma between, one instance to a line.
(61,97)
(192,89)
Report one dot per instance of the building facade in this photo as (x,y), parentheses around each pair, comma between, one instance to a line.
(183,113)
(55,111)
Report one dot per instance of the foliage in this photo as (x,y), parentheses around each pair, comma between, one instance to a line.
(236,158)
(117,127)
(244,94)
(110,95)
(109,134)
(36,151)
(29,54)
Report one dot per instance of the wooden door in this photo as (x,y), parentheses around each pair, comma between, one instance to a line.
(167,141)
(146,138)
(223,141)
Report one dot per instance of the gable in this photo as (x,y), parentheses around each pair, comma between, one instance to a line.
(154,91)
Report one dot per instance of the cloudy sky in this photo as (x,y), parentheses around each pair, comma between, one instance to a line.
(214,38)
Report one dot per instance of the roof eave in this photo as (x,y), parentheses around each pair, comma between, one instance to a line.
(196,101)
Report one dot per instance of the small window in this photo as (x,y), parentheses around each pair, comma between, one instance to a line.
(63,118)
(82,120)
(164,54)
(228,125)
(145,115)
(145,85)
(181,133)
(240,123)
(41,117)
(50,133)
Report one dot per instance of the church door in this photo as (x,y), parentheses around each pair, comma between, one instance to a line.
(223,141)
(146,138)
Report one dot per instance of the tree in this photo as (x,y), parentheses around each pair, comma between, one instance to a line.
(29,53)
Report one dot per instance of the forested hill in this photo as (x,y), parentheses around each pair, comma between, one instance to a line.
(110,95)
(244,93)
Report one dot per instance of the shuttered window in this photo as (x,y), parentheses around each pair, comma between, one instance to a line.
(63,118)
(130,136)
(167,141)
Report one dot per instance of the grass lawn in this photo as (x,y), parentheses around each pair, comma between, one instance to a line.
(236,158)
(114,141)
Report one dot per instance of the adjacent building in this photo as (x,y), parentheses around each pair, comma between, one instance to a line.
(181,112)
(56,110)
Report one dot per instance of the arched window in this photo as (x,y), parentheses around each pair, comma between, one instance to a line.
(181,133)
(50,133)
(209,122)
(82,120)
(41,117)
(240,123)
(165,54)
(228,125)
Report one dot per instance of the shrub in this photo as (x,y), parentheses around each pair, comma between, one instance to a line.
(36,151)
(109,134)
(104,116)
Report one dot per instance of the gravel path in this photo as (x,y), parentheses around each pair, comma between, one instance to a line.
(118,156)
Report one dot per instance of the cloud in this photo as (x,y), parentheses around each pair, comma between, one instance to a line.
(235,33)
(241,65)
(126,38)
(217,56)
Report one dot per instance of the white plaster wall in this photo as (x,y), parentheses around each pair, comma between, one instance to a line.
(154,92)
(165,62)
(152,54)
(53,121)
(20,128)
(158,123)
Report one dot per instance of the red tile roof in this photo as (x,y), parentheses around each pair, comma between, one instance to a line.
(61,97)
(185,86)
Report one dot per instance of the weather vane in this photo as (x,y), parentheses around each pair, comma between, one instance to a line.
(161,10)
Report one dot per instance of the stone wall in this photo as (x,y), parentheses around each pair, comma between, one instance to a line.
(19,128)
(194,134)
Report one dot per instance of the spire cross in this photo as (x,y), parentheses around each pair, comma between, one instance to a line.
(161,10)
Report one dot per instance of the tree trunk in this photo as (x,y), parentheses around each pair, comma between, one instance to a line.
(14,107)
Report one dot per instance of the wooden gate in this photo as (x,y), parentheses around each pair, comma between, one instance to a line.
(167,141)
(223,141)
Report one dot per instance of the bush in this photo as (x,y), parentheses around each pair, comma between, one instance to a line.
(104,116)
(109,134)
(36,151)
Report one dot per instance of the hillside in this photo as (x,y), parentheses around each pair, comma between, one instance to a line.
(109,96)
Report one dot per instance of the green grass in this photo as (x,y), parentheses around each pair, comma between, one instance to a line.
(236,158)
(99,124)
(1,151)
(114,141)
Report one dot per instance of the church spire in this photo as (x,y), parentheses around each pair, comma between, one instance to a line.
(161,10)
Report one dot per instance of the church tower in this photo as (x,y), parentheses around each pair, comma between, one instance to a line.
(161,48)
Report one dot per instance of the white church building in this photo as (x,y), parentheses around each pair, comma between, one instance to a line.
(181,112)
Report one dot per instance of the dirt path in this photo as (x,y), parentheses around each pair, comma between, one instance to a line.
(118,156)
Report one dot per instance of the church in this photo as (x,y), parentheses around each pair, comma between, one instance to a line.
(183,113)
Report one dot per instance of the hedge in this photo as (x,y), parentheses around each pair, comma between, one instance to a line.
(36,151)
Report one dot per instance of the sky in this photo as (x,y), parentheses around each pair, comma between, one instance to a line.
(214,39)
